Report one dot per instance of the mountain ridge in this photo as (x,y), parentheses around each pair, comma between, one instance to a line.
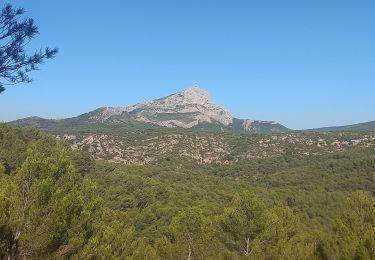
(365,126)
(189,108)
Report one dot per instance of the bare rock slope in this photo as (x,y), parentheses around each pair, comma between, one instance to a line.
(184,109)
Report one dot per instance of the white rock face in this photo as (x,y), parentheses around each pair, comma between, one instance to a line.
(184,109)
(247,124)
(106,113)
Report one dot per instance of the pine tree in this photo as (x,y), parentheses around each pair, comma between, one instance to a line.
(15,34)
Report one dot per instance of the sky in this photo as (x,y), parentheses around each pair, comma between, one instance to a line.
(304,64)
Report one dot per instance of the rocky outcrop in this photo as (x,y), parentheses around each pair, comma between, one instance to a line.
(184,109)
(213,148)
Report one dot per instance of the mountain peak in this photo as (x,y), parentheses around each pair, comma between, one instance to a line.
(195,95)
(196,90)
(185,109)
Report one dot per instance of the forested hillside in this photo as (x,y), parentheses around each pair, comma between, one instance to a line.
(139,143)
(56,202)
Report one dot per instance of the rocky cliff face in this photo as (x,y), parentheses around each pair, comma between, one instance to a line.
(184,109)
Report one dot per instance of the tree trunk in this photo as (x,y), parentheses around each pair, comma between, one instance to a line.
(247,246)
(189,256)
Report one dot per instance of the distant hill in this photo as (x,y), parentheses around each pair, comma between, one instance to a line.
(188,109)
(367,126)
(35,121)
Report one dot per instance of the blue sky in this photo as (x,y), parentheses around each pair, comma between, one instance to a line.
(302,63)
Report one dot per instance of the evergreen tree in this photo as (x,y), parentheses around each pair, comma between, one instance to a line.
(15,34)
(354,229)
(243,221)
(192,232)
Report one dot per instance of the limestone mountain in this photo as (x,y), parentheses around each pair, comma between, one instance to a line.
(191,108)
(185,109)
(188,124)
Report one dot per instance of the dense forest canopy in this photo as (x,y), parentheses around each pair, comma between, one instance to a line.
(56,202)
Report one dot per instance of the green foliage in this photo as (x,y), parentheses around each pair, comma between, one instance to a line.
(59,203)
(111,241)
(45,210)
(354,229)
(13,145)
(16,32)
(243,221)
(193,233)
(8,243)
(260,232)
